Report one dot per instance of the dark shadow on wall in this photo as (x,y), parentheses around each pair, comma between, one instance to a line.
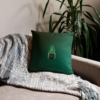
(20,10)
(43,25)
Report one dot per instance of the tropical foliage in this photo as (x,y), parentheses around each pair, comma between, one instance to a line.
(71,21)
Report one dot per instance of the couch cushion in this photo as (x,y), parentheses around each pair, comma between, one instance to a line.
(14,93)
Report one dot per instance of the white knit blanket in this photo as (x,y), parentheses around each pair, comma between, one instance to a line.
(15,54)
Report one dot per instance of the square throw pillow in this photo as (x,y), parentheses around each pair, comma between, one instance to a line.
(51,52)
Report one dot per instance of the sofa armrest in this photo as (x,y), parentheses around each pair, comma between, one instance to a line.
(87,69)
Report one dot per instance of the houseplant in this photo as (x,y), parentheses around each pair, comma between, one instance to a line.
(74,22)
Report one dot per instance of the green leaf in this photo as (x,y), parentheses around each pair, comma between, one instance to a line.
(81,6)
(57,23)
(68,17)
(61,17)
(90,17)
(91,49)
(69,26)
(86,37)
(61,14)
(75,48)
(77,3)
(54,23)
(70,2)
(50,24)
(79,23)
(81,49)
(94,33)
(45,8)
(60,28)
(93,9)
(62,3)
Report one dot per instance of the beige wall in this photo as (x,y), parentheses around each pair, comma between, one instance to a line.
(21,16)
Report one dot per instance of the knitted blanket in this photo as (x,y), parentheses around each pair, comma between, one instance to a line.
(15,55)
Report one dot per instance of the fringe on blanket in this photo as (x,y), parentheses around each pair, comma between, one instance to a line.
(87,90)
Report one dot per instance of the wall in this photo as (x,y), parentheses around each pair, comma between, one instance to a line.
(21,16)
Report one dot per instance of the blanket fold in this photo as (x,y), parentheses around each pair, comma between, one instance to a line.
(15,55)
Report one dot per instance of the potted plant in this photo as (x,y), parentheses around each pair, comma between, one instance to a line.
(74,22)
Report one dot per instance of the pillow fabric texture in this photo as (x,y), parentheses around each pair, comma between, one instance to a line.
(51,52)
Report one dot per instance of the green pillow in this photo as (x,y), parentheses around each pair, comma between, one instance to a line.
(51,52)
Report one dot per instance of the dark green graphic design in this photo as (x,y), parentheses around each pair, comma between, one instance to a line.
(51,53)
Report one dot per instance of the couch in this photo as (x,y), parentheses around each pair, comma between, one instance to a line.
(86,68)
